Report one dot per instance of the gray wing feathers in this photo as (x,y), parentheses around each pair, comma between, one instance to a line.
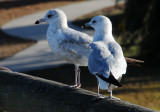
(76,37)
(115,50)
(110,55)
(98,59)
(100,51)
(76,43)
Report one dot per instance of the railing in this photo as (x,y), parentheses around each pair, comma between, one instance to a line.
(24,93)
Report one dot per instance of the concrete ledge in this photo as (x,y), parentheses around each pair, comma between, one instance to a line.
(23,93)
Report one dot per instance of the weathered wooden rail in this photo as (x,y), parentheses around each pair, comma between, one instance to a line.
(23,93)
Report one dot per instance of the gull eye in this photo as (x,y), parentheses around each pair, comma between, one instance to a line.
(93,22)
(49,15)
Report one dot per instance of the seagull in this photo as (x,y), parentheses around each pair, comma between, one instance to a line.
(69,44)
(106,60)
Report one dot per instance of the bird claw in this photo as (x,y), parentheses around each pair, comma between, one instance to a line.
(97,98)
(73,86)
(4,68)
(76,86)
(112,97)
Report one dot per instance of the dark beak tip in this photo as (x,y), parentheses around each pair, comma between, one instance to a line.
(37,22)
(83,26)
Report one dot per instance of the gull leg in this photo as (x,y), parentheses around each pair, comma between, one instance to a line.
(112,97)
(79,82)
(76,73)
(98,97)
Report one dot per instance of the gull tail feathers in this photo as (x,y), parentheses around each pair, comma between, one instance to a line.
(111,86)
(110,80)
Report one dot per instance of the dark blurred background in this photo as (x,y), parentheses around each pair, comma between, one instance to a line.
(142,23)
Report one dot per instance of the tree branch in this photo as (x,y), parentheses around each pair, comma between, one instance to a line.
(134,62)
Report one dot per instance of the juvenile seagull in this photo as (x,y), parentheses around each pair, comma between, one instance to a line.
(69,44)
(106,60)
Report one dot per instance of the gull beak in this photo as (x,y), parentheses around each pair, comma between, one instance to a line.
(86,25)
(40,21)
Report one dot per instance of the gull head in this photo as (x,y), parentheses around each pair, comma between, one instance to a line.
(53,16)
(100,23)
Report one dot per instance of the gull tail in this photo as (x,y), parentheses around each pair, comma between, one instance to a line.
(111,86)
(110,80)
